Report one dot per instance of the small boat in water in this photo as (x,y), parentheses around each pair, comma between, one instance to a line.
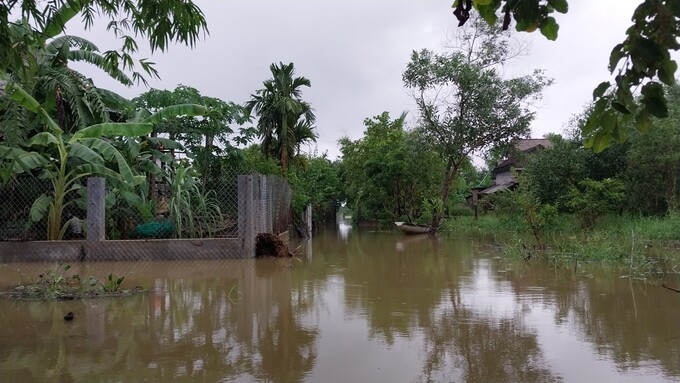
(412,228)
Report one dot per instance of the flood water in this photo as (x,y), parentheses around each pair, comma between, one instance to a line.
(357,307)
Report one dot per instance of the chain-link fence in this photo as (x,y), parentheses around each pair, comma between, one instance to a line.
(182,217)
(17,198)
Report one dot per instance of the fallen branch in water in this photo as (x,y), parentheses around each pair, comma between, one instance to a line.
(670,288)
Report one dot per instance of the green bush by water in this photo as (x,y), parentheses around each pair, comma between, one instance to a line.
(614,239)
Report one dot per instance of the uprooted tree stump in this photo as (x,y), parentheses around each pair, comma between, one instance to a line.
(270,245)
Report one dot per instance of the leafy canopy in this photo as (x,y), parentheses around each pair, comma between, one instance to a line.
(465,106)
(389,171)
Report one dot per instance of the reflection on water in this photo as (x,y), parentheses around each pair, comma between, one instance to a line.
(365,307)
(344,228)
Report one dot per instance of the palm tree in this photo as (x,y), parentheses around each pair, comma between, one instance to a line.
(279,107)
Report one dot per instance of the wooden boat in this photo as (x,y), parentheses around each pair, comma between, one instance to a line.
(412,228)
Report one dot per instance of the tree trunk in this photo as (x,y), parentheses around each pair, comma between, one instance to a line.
(283,141)
(451,170)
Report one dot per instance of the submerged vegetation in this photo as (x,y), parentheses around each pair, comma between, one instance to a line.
(58,284)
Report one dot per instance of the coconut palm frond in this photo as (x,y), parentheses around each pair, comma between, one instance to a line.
(100,62)
(73,41)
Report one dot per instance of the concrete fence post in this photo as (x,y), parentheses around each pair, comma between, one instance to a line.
(96,209)
(246,216)
(308,220)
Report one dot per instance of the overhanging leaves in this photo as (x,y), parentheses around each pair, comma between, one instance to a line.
(654,100)
(645,52)
(550,28)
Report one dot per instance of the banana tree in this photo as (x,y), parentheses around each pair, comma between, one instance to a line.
(64,159)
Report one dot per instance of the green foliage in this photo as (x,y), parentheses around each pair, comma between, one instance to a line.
(653,174)
(465,105)
(207,140)
(66,94)
(285,120)
(521,204)
(431,208)
(389,171)
(592,199)
(58,283)
(112,283)
(66,159)
(551,172)
(253,160)
(646,61)
(317,184)
(529,15)
(159,23)
(194,213)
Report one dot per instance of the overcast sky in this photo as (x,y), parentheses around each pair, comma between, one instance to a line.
(354,53)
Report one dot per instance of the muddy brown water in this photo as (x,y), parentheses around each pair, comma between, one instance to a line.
(357,307)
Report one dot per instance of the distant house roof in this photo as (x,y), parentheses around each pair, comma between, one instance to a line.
(527,145)
(532,143)
(3,84)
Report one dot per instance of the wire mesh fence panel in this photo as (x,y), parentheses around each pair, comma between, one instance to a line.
(280,196)
(183,207)
(28,211)
(272,208)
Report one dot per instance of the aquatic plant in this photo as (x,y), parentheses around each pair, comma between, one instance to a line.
(57,284)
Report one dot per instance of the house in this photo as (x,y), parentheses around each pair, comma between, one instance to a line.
(506,169)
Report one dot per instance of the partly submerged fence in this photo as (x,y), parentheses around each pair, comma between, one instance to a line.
(178,220)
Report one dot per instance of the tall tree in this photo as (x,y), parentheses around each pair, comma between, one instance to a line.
(642,60)
(653,174)
(38,59)
(279,107)
(159,22)
(466,106)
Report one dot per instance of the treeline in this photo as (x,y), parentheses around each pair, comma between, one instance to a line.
(389,174)
(640,176)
